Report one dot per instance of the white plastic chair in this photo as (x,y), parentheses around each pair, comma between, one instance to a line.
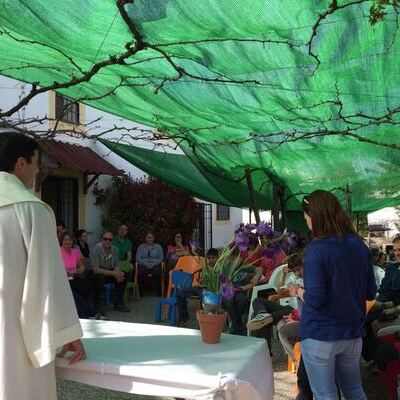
(254,295)
(273,284)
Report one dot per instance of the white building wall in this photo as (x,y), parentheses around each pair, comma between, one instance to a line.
(223,230)
(10,92)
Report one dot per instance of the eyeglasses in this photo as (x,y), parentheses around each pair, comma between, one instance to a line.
(107,239)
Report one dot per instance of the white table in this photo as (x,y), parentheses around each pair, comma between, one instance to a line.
(166,361)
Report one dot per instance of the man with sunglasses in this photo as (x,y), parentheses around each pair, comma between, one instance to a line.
(104,262)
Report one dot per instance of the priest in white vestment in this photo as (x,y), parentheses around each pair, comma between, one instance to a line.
(37,310)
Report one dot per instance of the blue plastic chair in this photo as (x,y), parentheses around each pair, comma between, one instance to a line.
(180,280)
(108,289)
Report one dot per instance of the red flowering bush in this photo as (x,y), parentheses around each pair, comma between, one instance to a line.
(147,204)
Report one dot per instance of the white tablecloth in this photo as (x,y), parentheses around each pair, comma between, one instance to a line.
(166,361)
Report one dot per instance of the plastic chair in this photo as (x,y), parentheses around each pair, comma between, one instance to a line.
(126,266)
(180,280)
(190,264)
(108,289)
(274,282)
(297,354)
(254,294)
(135,286)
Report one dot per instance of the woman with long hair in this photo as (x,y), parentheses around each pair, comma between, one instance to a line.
(338,279)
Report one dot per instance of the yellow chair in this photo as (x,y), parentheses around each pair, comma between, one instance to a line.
(131,285)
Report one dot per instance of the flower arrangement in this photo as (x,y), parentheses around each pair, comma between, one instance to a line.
(250,244)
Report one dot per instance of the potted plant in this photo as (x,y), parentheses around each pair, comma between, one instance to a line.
(250,244)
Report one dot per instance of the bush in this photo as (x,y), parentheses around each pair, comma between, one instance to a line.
(147,204)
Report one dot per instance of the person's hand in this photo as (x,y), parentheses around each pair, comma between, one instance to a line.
(283,292)
(246,287)
(392,310)
(76,347)
(80,269)
(288,319)
(118,275)
(388,304)
(293,290)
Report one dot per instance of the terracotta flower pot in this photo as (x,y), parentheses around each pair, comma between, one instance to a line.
(211,326)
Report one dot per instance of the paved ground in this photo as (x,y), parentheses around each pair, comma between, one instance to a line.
(143,311)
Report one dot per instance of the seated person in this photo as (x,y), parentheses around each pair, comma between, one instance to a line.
(82,246)
(372,351)
(124,246)
(176,250)
(104,263)
(75,268)
(389,290)
(387,307)
(268,313)
(149,256)
(253,255)
(269,264)
(243,281)
(196,291)
(378,258)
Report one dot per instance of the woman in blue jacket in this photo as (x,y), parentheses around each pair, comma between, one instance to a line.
(338,279)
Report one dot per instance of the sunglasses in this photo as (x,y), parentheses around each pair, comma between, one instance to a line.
(107,239)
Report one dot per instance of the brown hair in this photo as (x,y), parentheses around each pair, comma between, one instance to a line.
(327,215)
(396,239)
(64,235)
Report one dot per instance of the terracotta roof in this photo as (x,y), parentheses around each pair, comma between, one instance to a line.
(78,157)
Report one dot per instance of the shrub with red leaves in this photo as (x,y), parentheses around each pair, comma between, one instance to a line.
(147,204)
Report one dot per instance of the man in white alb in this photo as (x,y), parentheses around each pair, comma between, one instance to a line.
(37,310)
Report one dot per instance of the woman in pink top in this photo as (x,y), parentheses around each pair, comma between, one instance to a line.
(176,250)
(74,265)
(73,261)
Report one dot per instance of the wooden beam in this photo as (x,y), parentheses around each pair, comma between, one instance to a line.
(87,184)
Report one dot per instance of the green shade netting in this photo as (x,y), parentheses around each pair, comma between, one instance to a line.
(186,173)
(253,94)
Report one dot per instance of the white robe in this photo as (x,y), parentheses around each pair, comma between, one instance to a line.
(37,310)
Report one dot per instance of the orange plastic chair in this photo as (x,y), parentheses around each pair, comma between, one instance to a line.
(297,354)
(369,305)
(192,265)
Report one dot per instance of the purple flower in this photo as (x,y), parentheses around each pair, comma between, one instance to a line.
(228,291)
(223,279)
(264,229)
(253,241)
(242,241)
(269,253)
